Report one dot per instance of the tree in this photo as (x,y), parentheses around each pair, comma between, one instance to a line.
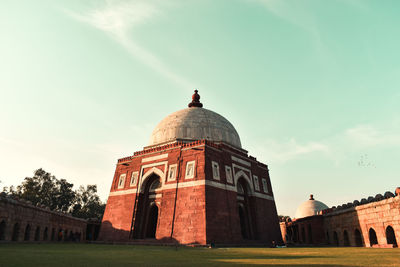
(39,189)
(58,195)
(87,203)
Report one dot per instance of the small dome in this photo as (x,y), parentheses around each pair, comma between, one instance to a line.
(195,123)
(309,208)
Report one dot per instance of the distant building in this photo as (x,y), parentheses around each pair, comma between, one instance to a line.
(193,184)
(372,222)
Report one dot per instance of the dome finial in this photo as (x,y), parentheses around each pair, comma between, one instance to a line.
(311,197)
(195,100)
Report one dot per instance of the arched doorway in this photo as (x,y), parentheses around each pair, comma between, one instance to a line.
(37,233)
(45,234)
(244,211)
(358,238)
(335,239)
(373,240)
(327,238)
(27,235)
(390,236)
(60,235)
(2,230)
(152,221)
(243,224)
(65,235)
(15,233)
(53,234)
(346,241)
(146,218)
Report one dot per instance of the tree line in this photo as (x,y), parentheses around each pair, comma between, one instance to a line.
(58,195)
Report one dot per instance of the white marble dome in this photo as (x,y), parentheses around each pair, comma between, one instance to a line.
(194,123)
(309,208)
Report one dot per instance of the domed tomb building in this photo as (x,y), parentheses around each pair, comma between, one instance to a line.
(310,207)
(193,184)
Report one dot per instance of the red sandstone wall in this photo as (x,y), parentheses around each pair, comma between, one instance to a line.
(376,215)
(189,223)
(223,224)
(12,212)
(203,213)
(117,218)
(186,225)
(268,229)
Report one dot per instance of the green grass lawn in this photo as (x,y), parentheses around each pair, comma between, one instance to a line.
(58,255)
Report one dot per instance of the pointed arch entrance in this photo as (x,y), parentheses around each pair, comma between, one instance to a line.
(152,221)
(27,235)
(146,218)
(335,239)
(358,238)
(346,240)
(3,230)
(390,236)
(244,209)
(373,240)
(15,233)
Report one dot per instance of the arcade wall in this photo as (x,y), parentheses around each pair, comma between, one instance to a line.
(378,217)
(373,224)
(21,221)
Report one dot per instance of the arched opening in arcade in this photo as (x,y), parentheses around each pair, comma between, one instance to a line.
(146,218)
(15,233)
(335,239)
(45,234)
(27,235)
(244,210)
(66,235)
(37,234)
(346,240)
(3,230)
(373,240)
(328,241)
(53,234)
(60,235)
(390,236)
(358,238)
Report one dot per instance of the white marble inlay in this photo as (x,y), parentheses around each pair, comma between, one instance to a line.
(248,164)
(163,156)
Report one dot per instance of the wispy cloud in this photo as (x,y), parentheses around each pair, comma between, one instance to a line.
(367,135)
(356,140)
(280,152)
(118,19)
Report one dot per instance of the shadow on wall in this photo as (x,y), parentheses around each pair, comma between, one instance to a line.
(110,234)
(15,233)
(92,230)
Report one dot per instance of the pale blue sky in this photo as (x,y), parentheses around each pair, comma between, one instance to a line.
(312,87)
